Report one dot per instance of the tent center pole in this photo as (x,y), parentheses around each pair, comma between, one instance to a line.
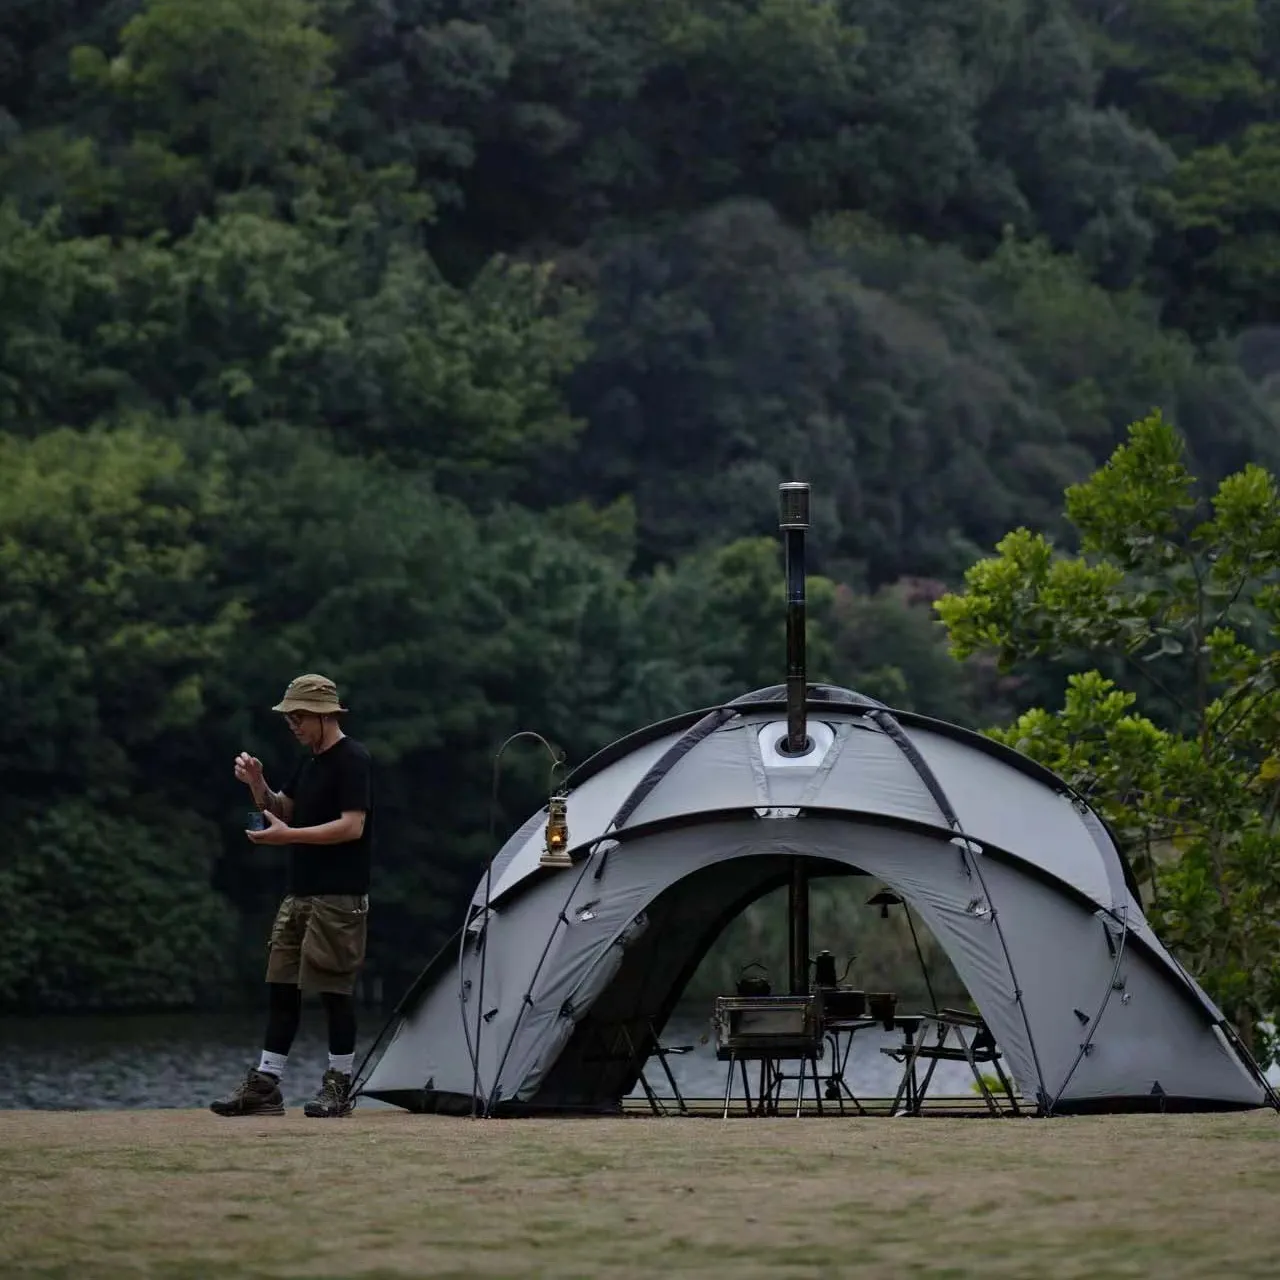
(798,928)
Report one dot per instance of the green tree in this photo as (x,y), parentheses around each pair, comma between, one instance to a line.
(1203,74)
(1183,587)
(241,84)
(1221,251)
(890,645)
(107,609)
(112,911)
(109,630)
(1187,68)
(317,320)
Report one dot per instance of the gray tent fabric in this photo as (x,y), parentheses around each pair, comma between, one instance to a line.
(676,829)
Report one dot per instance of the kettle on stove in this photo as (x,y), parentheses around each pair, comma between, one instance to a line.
(753,984)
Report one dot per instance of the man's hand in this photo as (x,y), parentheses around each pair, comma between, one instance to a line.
(249,771)
(275,832)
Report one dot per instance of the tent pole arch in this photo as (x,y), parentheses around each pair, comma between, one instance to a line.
(820,699)
(527,999)
(703,728)
(1097,1017)
(557,760)
(696,733)
(1184,985)
(926,775)
(402,1006)
(714,816)
(727,912)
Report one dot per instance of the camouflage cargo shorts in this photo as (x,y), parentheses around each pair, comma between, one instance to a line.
(318,942)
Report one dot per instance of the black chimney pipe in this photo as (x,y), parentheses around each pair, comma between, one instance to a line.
(793,520)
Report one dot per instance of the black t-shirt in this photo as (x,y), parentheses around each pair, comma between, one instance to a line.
(321,788)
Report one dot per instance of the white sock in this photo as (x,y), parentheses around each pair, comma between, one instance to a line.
(344,1062)
(273,1063)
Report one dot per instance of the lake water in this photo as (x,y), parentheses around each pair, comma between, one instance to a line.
(164,1061)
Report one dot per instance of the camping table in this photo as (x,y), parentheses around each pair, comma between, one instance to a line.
(837,1086)
(772,1075)
(769,1080)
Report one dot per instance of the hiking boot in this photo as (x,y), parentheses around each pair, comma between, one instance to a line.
(332,1099)
(258,1094)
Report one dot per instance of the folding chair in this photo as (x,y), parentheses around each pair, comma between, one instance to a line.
(617,1044)
(660,1051)
(980,1048)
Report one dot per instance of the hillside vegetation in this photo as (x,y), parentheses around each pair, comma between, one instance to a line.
(455,348)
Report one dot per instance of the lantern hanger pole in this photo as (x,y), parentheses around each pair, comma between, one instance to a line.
(559,838)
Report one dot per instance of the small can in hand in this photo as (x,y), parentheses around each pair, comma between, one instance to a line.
(257,821)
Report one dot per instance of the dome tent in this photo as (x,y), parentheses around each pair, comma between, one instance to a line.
(676,828)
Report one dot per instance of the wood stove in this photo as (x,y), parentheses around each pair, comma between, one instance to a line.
(784,1026)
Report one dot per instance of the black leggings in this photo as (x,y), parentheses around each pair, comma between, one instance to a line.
(284,1013)
(341,1012)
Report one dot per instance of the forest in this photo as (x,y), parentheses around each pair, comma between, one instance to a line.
(455,349)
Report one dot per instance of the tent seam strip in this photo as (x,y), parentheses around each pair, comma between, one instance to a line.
(955,733)
(527,1000)
(840,739)
(1097,1017)
(687,741)
(926,775)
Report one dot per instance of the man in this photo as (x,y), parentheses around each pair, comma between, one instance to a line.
(324,814)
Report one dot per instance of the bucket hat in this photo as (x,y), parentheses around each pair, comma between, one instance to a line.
(311,693)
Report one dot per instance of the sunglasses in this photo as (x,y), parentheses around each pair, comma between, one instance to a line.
(297,718)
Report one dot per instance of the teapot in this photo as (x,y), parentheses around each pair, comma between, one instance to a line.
(824,970)
(751,984)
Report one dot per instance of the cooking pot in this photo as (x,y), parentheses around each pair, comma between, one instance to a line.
(882,1005)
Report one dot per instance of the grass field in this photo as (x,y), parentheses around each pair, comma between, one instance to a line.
(180,1193)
